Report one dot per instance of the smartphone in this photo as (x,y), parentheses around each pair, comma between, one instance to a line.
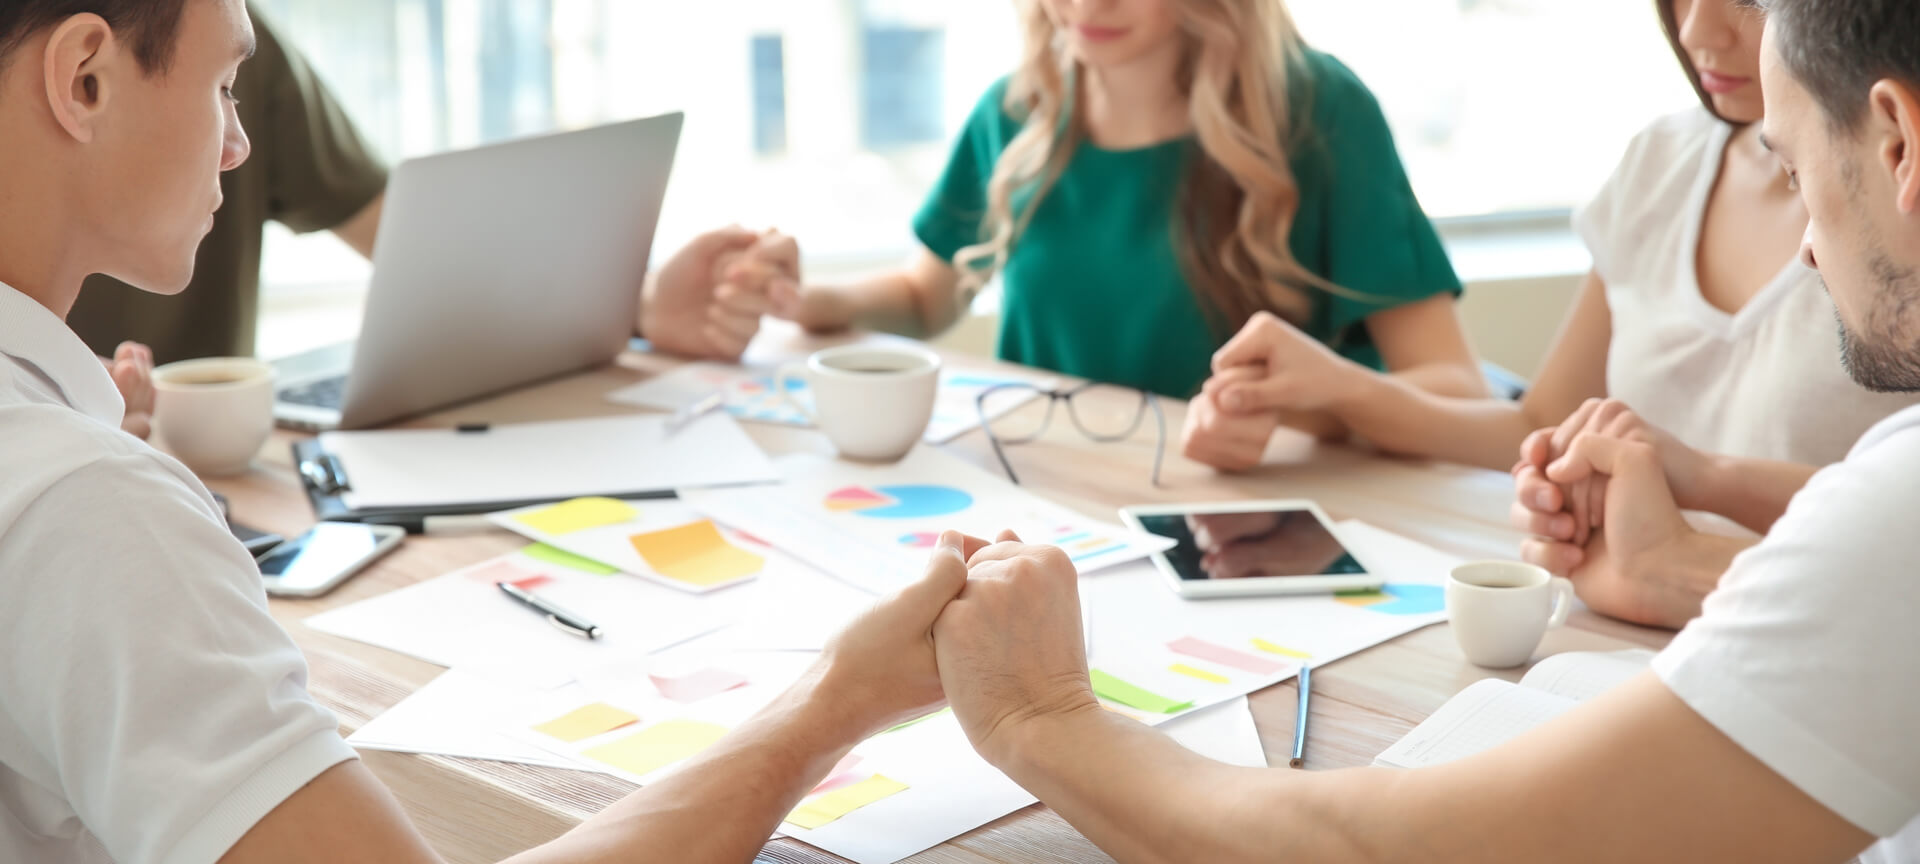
(319,560)
(1252,548)
(258,542)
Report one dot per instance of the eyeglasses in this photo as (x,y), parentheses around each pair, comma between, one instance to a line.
(1006,424)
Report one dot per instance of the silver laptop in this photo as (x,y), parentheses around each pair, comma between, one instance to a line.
(494,268)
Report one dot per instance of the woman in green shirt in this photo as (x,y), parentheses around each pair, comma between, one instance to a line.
(1156,175)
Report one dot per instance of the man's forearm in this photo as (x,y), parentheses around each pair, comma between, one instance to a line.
(721,806)
(1145,799)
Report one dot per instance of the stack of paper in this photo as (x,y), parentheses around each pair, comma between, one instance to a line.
(758,395)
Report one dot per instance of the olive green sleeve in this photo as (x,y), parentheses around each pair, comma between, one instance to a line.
(319,171)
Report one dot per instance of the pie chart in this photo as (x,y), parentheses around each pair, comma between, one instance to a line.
(899,502)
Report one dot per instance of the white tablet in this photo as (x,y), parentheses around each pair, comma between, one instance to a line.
(1249,548)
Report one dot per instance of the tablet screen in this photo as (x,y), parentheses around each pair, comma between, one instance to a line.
(1255,544)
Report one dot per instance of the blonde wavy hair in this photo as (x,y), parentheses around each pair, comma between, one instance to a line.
(1239,198)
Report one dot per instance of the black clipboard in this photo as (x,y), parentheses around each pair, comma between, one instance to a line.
(327,480)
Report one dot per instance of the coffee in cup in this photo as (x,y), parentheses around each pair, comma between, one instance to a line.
(1501,609)
(873,403)
(213,414)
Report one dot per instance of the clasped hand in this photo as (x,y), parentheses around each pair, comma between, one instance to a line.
(1600,494)
(1269,375)
(992,628)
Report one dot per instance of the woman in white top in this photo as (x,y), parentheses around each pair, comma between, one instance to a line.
(1698,328)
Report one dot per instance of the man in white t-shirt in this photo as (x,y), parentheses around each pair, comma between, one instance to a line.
(1777,727)
(150,708)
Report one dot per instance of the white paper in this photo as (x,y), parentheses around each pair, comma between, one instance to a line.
(1487,714)
(611,544)
(1223,733)
(459,714)
(457,620)
(1582,675)
(882,547)
(1491,711)
(543,461)
(1134,614)
(755,395)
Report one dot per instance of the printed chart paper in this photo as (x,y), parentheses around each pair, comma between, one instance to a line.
(872,525)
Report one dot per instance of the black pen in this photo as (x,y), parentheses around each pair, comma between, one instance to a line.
(559,617)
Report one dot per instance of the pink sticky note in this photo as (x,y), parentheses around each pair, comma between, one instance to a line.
(1204,650)
(841,775)
(693,687)
(531,583)
(496,573)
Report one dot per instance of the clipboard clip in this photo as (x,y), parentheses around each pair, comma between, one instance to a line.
(325,474)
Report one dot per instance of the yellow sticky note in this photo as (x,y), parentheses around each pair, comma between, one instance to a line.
(1202,674)
(1281,650)
(656,747)
(579,515)
(828,807)
(583,723)
(696,554)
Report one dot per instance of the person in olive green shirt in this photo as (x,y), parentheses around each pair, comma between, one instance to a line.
(1108,233)
(312,171)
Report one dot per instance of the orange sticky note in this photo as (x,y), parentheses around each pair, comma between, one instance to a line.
(696,554)
(658,746)
(579,515)
(583,723)
(827,808)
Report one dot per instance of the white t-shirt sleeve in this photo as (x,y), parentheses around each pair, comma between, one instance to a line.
(146,684)
(1646,192)
(1807,654)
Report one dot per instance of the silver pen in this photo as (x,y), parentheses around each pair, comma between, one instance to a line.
(557,616)
(695,410)
(1300,724)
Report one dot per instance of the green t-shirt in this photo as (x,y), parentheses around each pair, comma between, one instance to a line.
(1094,287)
(310,170)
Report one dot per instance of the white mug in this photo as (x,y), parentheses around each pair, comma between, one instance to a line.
(214,414)
(873,403)
(1501,609)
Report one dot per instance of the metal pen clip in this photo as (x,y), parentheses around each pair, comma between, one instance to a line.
(325,474)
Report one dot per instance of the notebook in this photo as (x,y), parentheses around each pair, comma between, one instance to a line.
(1492,712)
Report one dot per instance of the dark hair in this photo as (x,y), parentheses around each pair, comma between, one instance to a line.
(1670,23)
(1837,49)
(150,26)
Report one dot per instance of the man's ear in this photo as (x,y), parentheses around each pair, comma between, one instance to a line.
(82,61)
(1894,120)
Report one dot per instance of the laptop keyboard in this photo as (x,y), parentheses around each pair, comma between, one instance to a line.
(325,393)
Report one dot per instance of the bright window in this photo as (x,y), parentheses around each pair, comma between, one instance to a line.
(831,118)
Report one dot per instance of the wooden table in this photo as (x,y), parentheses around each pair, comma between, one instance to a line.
(475,811)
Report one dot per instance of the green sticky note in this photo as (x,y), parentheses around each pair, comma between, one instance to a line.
(1108,687)
(923,719)
(563,558)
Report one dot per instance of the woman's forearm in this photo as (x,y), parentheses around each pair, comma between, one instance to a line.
(1424,412)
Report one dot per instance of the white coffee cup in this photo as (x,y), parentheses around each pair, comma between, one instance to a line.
(213,414)
(1501,609)
(873,403)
